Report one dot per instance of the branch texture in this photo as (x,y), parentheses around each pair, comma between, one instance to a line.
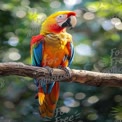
(79,76)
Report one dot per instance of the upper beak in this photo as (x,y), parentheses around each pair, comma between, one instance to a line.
(70,22)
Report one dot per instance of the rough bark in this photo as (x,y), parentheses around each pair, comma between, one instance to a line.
(79,76)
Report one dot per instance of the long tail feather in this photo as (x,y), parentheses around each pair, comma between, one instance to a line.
(48,101)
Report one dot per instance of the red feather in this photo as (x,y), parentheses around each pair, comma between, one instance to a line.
(36,39)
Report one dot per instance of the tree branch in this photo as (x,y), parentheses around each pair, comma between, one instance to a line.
(79,76)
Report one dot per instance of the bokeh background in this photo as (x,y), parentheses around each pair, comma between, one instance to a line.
(98,47)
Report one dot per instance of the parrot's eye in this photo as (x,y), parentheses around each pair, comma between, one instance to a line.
(61,17)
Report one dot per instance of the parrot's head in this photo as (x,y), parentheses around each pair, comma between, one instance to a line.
(58,22)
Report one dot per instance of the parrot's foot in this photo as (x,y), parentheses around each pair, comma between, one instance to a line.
(50,70)
(66,69)
(43,81)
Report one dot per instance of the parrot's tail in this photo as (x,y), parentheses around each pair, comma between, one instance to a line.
(48,101)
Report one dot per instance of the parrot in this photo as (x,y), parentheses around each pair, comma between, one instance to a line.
(52,47)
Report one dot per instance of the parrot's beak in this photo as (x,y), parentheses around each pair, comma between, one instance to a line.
(70,22)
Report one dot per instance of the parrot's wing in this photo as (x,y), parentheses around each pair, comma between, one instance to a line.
(37,50)
(47,98)
(71,50)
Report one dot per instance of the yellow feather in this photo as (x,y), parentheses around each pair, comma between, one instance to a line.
(41,98)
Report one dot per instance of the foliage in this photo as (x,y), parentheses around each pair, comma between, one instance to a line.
(98,47)
(117,112)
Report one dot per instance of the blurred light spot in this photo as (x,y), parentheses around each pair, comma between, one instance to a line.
(118,98)
(13,41)
(20,13)
(115,21)
(55,4)
(118,26)
(25,2)
(119,116)
(64,109)
(92,116)
(78,12)
(80,96)
(5,6)
(72,2)
(9,105)
(93,99)
(14,55)
(84,50)
(93,8)
(41,17)
(89,16)
(70,102)
(115,37)
(67,94)
(107,25)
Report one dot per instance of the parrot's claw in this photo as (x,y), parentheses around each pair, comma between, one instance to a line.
(66,69)
(47,79)
(50,70)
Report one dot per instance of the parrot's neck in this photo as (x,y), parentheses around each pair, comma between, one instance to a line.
(58,40)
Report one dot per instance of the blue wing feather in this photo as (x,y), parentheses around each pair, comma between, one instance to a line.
(72,53)
(37,55)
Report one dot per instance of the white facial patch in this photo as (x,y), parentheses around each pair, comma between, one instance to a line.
(61,18)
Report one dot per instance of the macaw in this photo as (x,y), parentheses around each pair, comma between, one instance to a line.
(53,47)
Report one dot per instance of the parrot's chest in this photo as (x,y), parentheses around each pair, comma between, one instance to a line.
(54,56)
(55,49)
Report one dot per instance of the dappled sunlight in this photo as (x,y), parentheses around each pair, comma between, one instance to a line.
(107,25)
(55,4)
(92,116)
(72,2)
(25,2)
(89,16)
(13,41)
(64,109)
(78,12)
(93,99)
(12,55)
(80,96)
(68,94)
(118,26)
(115,21)
(84,50)
(70,102)
(20,13)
